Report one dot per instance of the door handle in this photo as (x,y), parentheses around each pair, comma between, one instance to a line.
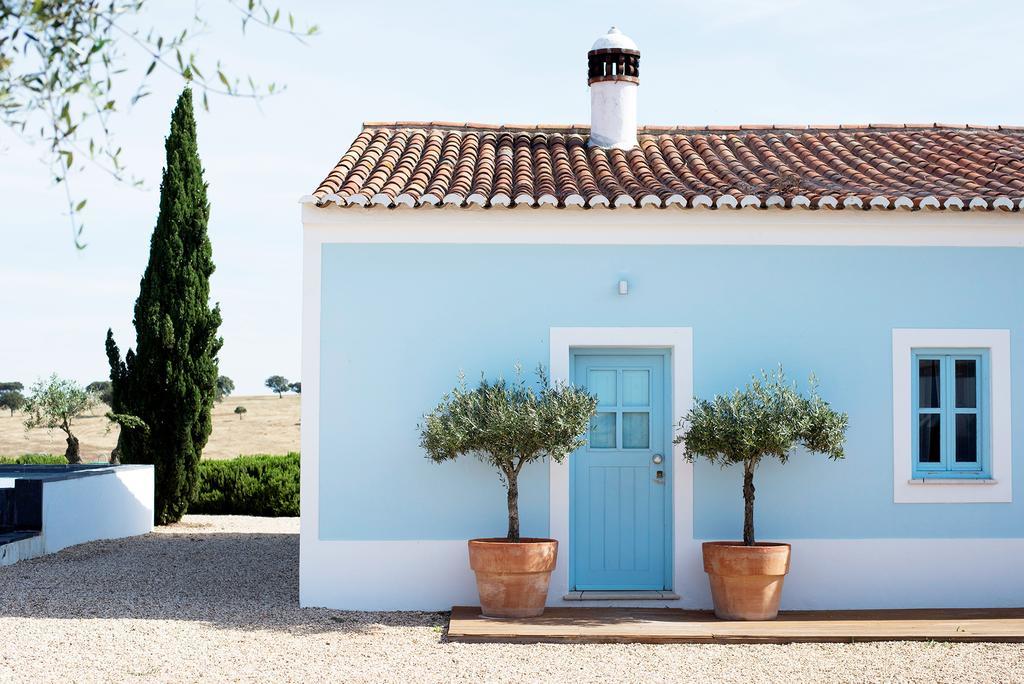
(656,460)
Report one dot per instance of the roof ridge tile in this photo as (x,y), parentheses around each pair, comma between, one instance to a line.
(654,128)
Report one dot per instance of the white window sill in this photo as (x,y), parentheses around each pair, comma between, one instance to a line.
(952,481)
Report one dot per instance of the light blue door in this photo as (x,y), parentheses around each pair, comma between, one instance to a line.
(619,491)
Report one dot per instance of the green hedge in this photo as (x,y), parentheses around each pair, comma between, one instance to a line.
(249,485)
(33,459)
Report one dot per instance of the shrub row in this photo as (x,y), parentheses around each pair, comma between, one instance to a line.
(249,485)
(33,459)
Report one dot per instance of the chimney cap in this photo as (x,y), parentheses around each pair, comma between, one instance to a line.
(615,40)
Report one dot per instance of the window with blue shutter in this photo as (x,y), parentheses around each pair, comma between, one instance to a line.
(950,416)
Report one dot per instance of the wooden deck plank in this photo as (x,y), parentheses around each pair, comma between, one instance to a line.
(671,625)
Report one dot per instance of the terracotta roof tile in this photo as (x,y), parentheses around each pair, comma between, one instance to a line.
(867,166)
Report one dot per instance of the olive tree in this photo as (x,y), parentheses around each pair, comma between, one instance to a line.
(64,72)
(55,403)
(278,384)
(769,418)
(508,425)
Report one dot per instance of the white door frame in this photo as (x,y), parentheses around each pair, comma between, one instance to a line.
(687,573)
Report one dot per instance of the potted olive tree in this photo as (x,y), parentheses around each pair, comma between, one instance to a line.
(509,425)
(769,418)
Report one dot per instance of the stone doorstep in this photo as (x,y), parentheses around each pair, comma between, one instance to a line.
(621,596)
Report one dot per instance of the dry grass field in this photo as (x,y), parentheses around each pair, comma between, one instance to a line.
(271,426)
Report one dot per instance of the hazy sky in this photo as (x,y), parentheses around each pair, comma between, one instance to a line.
(725,62)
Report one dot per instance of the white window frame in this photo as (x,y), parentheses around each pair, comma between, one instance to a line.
(907,489)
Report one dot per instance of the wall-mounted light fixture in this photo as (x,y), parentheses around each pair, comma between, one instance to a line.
(623,287)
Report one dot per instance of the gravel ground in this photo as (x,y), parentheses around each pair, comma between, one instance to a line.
(215,599)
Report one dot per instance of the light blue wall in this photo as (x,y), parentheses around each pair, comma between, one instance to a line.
(400,321)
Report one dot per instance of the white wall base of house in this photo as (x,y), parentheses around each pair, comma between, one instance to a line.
(905,573)
(385,575)
(826,574)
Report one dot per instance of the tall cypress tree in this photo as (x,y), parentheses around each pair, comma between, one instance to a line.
(169,381)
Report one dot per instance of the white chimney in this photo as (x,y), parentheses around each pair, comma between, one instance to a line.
(614,76)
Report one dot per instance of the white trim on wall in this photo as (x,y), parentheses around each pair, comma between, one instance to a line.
(310,572)
(827,574)
(429,574)
(688,579)
(999,489)
(667,227)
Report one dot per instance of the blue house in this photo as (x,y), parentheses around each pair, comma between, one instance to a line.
(652,265)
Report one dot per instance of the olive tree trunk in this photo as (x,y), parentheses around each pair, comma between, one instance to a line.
(748,503)
(512,484)
(73,453)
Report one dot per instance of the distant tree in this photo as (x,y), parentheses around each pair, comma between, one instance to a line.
(11,397)
(54,403)
(240,411)
(225,386)
(296,387)
(12,400)
(102,389)
(279,384)
(169,380)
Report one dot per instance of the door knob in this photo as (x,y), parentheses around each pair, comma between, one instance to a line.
(657,459)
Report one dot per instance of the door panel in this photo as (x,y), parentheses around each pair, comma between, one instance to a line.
(618,536)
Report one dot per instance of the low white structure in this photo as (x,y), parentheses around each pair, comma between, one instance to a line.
(50,508)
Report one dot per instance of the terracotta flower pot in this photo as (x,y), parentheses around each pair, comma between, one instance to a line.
(512,577)
(746,581)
